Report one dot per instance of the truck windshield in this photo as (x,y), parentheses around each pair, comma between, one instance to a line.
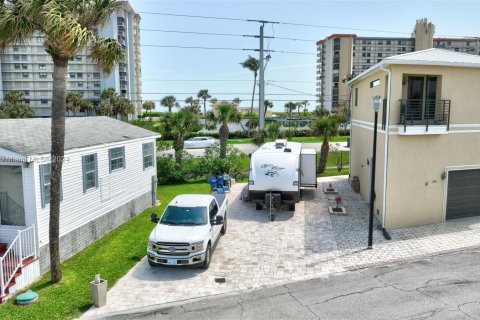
(184,216)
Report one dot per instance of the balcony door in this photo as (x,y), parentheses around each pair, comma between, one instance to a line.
(421,95)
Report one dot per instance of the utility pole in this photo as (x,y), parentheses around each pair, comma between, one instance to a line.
(261,91)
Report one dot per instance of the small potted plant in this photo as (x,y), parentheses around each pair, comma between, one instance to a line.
(338,209)
(330,189)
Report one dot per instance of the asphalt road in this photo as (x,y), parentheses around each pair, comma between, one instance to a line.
(443,287)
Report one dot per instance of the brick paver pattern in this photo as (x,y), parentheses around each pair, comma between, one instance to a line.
(300,245)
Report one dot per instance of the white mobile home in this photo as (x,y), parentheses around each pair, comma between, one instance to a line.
(108,176)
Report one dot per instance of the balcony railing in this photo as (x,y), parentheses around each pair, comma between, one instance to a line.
(424,112)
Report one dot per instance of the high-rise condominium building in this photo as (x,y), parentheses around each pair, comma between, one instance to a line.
(342,55)
(28,68)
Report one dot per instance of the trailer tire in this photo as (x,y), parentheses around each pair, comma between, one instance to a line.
(291,207)
(258,206)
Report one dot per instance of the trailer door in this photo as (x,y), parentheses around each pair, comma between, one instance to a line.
(308,168)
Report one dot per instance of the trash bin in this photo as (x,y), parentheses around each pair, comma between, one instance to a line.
(98,288)
(356,184)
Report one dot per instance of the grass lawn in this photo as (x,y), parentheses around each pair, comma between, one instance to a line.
(111,256)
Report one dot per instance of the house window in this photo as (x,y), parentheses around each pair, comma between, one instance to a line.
(96,84)
(375,83)
(16,57)
(147,155)
(24,57)
(24,67)
(39,40)
(73,75)
(117,158)
(79,84)
(79,75)
(15,49)
(25,75)
(356,97)
(78,58)
(42,66)
(45,176)
(43,101)
(90,172)
(42,75)
(17,67)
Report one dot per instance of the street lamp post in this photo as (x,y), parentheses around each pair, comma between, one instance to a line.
(377,100)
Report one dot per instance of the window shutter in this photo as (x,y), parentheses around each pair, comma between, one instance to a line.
(96,170)
(143,155)
(124,157)
(83,173)
(110,160)
(42,195)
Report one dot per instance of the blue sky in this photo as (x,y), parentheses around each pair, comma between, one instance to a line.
(161,66)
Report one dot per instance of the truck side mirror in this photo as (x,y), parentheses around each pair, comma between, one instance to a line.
(218,220)
(154,218)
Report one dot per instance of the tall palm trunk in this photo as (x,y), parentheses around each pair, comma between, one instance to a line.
(323,156)
(223,135)
(253,94)
(60,66)
(178,147)
(205,111)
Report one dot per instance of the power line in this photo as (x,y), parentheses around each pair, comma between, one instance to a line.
(309,94)
(224,80)
(225,34)
(265,21)
(224,48)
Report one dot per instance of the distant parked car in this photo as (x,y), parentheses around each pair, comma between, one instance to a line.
(199,142)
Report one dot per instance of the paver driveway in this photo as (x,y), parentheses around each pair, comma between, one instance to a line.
(298,245)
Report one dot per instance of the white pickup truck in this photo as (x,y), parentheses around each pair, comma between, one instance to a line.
(188,230)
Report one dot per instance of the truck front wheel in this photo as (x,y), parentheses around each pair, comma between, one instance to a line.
(208,256)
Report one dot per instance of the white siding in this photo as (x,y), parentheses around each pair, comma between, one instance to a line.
(114,190)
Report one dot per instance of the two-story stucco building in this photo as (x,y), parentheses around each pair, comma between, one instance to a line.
(428,150)
(109,175)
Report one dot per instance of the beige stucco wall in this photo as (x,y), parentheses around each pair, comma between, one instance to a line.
(362,150)
(460,85)
(415,189)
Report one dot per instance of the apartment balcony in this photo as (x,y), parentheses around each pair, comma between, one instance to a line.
(424,116)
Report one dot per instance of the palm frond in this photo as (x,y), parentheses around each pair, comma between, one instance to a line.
(107,52)
(14,26)
(93,13)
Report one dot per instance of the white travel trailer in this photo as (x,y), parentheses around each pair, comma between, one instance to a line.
(278,172)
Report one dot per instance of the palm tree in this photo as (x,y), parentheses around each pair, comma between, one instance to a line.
(203,94)
(67,27)
(226,113)
(180,125)
(321,112)
(148,106)
(123,107)
(109,97)
(268,105)
(15,106)
(74,102)
(169,102)
(290,106)
(324,128)
(253,65)
(86,106)
(302,104)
